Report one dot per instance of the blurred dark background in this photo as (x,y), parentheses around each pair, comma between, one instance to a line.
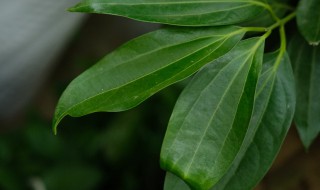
(99,151)
(106,150)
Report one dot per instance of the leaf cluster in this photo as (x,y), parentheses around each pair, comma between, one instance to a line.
(232,117)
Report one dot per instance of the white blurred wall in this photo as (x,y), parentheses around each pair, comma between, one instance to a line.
(32,33)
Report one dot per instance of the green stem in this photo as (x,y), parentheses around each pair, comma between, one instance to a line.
(272,13)
(275,25)
(266,35)
(255,29)
(268,8)
(282,21)
(283,46)
(283,42)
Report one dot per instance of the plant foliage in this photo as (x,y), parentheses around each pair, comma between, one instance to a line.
(232,117)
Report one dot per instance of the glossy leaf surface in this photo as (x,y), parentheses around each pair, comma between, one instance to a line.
(273,113)
(211,117)
(177,12)
(142,67)
(306,63)
(308,18)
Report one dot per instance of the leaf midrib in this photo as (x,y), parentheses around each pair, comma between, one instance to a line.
(186,68)
(151,52)
(244,147)
(254,2)
(233,120)
(218,106)
(65,113)
(193,14)
(172,3)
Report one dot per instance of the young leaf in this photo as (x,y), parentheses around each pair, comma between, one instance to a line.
(211,117)
(306,64)
(177,12)
(308,18)
(273,113)
(142,67)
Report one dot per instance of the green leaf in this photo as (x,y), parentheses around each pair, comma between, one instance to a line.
(211,117)
(172,182)
(308,18)
(265,19)
(177,12)
(273,113)
(306,64)
(144,66)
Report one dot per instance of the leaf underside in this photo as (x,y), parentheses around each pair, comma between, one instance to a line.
(177,12)
(308,19)
(144,66)
(306,63)
(211,116)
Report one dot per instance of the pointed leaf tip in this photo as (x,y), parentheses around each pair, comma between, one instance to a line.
(71,9)
(55,124)
(55,130)
(142,67)
(75,8)
(306,64)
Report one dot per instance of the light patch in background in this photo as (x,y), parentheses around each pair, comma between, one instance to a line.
(32,34)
